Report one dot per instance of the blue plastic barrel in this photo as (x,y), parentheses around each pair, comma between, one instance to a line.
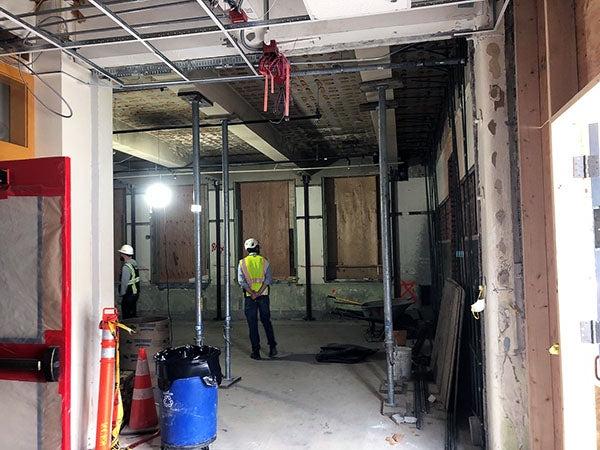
(188,378)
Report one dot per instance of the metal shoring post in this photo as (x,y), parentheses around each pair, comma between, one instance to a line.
(218,283)
(307,261)
(197,211)
(229,378)
(384,203)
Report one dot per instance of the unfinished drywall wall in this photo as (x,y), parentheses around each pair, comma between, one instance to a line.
(506,377)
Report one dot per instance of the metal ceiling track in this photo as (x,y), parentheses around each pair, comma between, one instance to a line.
(45,12)
(121,12)
(101,6)
(57,44)
(334,70)
(257,24)
(207,9)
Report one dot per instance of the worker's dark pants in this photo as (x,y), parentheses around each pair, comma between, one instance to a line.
(129,305)
(253,308)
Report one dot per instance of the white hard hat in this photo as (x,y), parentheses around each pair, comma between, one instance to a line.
(250,243)
(126,250)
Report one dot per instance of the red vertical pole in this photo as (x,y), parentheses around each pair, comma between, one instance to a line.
(266,94)
(107,380)
(287,89)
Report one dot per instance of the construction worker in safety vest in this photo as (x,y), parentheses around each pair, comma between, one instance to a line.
(129,289)
(255,277)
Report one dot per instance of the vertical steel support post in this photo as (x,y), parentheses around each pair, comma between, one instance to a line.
(197,211)
(384,203)
(133,221)
(229,378)
(218,252)
(307,260)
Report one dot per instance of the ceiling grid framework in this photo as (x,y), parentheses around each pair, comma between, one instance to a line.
(344,129)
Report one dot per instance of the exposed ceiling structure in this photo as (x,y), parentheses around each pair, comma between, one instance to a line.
(172,45)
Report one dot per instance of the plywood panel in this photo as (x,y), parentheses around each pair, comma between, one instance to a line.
(173,252)
(443,356)
(119,217)
(265,215)
(587,24)
(545,401)
(353,227)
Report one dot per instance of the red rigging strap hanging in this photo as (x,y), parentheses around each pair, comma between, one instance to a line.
(275,67)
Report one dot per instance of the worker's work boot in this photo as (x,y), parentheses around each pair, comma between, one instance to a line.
(255,355)
(273,352)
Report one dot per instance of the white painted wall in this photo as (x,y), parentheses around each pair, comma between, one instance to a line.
(86,139)
(576,268)
(414,233)
(317,234)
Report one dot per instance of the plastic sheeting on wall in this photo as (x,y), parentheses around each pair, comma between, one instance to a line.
(35,299)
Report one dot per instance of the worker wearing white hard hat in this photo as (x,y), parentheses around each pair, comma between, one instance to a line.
(255,278)
(129,289)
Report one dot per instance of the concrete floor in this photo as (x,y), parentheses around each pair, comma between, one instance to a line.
(295,402)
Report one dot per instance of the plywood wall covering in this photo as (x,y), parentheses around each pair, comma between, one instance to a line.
(173,250)
(352,228)
(265,215)
(587,19)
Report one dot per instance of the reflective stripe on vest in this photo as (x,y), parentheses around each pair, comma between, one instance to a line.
(133,280)
(254,268)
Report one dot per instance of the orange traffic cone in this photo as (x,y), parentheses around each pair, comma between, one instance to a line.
(143,416)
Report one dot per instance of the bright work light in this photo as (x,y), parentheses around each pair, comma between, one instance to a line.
(158,195)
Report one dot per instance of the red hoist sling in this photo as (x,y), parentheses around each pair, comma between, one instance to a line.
(275,67)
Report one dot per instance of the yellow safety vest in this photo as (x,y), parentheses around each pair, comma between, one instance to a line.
(254,268)
(133,280)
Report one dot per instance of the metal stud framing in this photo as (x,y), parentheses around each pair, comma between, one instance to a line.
(116,19)
(229,37)
(51,40)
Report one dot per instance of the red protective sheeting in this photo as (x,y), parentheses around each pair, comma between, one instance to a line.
(46,181)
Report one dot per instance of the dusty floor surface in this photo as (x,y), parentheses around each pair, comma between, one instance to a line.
(296,403)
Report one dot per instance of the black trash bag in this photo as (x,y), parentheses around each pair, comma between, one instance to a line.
(174,363)
(344,353)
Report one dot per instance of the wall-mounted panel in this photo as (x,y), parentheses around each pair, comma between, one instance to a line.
(264,214)
(173,245)
(352,228)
